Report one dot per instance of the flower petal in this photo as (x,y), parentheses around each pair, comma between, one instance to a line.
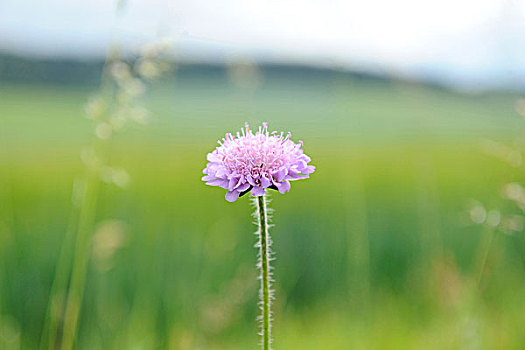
(250,180)
(208,178)
(221,172)
(306,158)
(265,182)
(213,157)
(231,196)
(297,177)
(224,184)
(240,182)
(243,187)
(301,165)
(233,182)
(283,187)
(309,169)
(258,191)
(279,176)
(215,182)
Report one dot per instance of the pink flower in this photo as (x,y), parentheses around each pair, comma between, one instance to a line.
(256,162)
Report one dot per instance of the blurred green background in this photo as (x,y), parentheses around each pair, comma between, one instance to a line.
(377,250)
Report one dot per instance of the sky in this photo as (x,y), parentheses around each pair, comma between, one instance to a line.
(465,43)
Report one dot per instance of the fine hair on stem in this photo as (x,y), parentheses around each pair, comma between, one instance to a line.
(266,294)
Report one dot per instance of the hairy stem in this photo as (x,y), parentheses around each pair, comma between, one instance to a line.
(265,277)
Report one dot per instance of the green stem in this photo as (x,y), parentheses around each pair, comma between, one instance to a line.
(80,262)
(264,265)
(57,295)
(482,261)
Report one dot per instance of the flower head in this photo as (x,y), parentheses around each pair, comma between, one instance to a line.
(256,161)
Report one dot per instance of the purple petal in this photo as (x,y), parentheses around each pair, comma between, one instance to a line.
(306,158)
(224,184)
(309,169)
(301,165)
(213,157)
(258,191)
(208,178)
(221,172)
(218,182)
(211,168)
(250,180)
(283,187)
(265,182)
(241,180)
(231,196)
(215,182)
(233,182)
(279,176)
(297,177)
(243,187)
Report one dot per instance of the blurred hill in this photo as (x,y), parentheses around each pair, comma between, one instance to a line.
(23,69)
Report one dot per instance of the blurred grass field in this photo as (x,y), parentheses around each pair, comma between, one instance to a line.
(375,251)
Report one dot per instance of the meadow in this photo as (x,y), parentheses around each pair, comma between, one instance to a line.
(377,250)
